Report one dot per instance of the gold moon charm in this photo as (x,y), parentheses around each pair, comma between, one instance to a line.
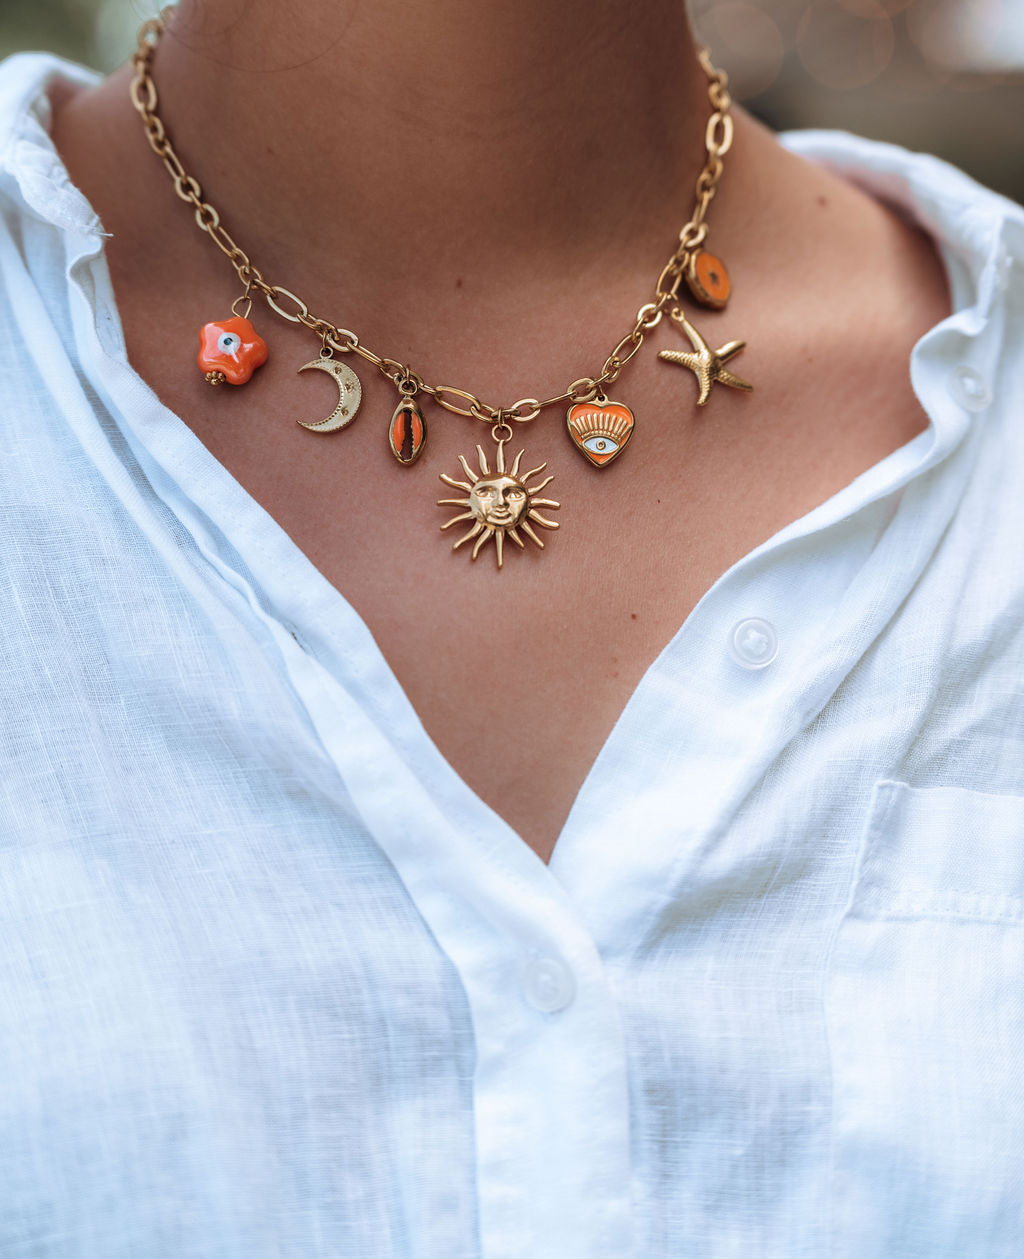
(350,392)
(498,503)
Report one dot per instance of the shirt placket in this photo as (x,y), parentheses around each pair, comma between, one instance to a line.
(756,661)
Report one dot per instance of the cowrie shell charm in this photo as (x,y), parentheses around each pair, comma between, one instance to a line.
(600,429)
(408,432)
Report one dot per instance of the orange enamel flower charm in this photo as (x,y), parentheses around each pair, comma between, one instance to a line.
(230,350)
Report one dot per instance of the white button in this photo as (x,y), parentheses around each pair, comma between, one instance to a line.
(969,389)
(548,984)
(754,643)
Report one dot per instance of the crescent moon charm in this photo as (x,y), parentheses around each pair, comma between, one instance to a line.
(350,392)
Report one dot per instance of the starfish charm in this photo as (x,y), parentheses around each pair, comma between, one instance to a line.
(706,364)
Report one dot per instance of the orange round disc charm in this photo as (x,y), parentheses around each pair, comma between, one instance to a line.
(709,280)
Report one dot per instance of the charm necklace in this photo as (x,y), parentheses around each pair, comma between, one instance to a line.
(499,502)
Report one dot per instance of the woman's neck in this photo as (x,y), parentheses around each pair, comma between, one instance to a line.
(448,135)
(428,181)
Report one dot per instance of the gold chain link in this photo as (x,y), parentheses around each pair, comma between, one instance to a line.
(718,139)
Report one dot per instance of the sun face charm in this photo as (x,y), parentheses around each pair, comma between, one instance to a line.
(498,502)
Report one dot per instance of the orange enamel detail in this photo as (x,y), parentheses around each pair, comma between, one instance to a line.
(709,280)
(408,432)
(600,430)
(232,347)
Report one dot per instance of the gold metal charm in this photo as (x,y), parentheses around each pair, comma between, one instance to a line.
(600,429)
(408,432)
(706,364)
(498,502)
(350,391)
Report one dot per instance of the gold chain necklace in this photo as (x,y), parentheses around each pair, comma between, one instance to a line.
(499,501)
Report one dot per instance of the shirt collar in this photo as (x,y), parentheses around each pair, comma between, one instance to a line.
(979,232)
(27,153)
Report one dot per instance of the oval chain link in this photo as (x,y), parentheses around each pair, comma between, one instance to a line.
(718,138)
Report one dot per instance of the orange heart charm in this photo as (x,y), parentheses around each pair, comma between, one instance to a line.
(600,429)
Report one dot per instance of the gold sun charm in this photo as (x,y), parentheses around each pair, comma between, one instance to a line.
(498,502)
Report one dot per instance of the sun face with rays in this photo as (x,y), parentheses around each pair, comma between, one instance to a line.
(498,502)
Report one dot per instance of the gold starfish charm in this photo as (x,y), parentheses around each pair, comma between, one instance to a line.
(706,364)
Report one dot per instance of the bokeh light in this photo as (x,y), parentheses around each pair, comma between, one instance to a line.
(945,76)
(845,43)
(870,8)
(752,41)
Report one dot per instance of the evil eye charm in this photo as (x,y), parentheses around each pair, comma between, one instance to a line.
(600,429)
(230,350)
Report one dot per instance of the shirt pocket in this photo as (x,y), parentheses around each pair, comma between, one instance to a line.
(925,1016)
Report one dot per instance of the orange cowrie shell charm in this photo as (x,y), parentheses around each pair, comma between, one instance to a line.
(230,350)
(408,432)
(600,429)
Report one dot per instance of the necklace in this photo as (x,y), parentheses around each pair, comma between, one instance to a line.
(497,502)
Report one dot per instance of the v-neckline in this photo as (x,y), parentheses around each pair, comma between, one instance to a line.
(203,493)
(325,623)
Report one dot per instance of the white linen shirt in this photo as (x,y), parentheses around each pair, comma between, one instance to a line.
(275,984)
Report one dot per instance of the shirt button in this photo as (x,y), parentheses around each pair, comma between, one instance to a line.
(754,642)
(969,389)
(548,984)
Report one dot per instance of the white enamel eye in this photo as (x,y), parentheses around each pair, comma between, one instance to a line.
(229,343)
(601,445)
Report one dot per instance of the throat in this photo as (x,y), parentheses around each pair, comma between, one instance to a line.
(524,133)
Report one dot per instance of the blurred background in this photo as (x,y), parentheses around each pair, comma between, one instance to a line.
(945,76)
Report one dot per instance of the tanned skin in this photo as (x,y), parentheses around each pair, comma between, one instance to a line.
(488,193)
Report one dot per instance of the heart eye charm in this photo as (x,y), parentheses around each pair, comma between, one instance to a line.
(600,429)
